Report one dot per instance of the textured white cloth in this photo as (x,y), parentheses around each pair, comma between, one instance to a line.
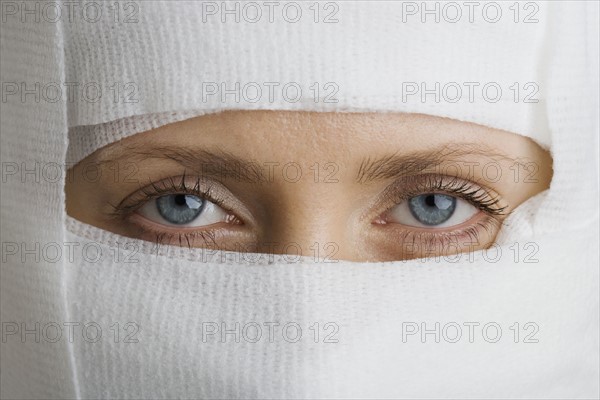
(172,295)
(363,62)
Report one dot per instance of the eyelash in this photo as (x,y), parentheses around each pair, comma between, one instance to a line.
(429,240)
(166,187)
(479,197)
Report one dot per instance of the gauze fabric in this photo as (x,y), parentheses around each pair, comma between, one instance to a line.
(172,295)
(377,68)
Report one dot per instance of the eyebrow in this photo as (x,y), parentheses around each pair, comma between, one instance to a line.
(395,165)
(220,164)
(216,163)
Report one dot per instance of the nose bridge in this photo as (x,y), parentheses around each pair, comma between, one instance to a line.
(306,218)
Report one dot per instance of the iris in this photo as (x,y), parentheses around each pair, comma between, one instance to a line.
(433,208)
(180,209)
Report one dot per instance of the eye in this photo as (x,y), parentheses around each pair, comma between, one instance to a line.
(432,210)
(183,210)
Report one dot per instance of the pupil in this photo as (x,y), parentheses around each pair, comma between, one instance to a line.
(180,200)
(430,200)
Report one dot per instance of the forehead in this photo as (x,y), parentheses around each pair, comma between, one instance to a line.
(279,135)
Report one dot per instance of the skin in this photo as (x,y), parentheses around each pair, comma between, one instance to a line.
(331,208)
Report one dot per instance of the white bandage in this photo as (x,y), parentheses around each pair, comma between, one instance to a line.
(517,320)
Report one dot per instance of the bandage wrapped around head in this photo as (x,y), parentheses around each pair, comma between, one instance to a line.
(520,319)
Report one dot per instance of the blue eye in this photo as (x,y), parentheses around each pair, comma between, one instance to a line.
(179,209)
(183,210)
(432,209)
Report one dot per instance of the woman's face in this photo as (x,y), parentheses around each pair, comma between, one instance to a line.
(360,187)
